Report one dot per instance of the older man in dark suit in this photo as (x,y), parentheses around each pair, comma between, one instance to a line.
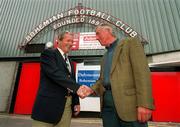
(58,92)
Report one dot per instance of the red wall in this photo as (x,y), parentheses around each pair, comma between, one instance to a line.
(27,89)
(166,92)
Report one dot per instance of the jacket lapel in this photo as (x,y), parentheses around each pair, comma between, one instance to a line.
(61,59)
(72,67)
(116,55)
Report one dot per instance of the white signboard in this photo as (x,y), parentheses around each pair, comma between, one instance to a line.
(88,41)
(87,75)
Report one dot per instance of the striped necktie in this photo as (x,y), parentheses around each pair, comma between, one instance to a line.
(67,62)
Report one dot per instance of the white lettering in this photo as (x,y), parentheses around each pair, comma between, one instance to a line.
(122,26)
(97,23)
(63,23)
(118,23)
(55,26)
(82,11)
(92,21)
(32,34)
(93,12)
(133,34)
(70,12)
(58,25)
(128,30)
(41,26)
(68,21)
(73,20)
(87,12)
(98,14)
(54,18)
(60,15)
(36,30)
(45,23)
(86,15)
(108,18)
(28,38)
(51,20)
(102,16)
(77,19)
(76,12)
(82,19)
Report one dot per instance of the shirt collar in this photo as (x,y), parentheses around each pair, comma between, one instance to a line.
(112,45)
(61,51)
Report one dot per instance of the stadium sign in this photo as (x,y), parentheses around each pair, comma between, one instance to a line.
(79,15)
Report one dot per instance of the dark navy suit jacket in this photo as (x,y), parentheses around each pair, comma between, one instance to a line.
(55,82)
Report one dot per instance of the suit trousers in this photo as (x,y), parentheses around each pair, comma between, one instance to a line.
(65,119)
(110,116)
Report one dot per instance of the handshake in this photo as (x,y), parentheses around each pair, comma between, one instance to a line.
(84,91)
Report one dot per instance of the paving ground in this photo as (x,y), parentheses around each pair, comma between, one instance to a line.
(8,120)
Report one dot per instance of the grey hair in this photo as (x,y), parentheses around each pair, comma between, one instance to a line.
(61,35)
(109,27)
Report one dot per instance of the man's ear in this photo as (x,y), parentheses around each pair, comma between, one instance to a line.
(59,42)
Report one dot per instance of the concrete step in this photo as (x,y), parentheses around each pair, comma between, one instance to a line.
(11,120)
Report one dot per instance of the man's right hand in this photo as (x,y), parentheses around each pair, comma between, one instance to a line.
(84,91)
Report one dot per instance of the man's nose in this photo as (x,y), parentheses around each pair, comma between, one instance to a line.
(71,43)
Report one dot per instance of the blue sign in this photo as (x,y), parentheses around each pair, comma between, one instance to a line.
(87,77)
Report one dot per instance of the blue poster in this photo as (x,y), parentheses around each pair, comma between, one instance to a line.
(87,77)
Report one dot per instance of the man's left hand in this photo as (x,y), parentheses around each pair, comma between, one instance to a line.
(76,110)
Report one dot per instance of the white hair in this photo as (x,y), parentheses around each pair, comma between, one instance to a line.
(107,27)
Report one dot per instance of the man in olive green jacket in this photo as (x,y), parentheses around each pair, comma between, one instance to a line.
(124,85)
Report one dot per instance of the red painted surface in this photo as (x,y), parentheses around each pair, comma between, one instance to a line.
(166,92)
(27,89)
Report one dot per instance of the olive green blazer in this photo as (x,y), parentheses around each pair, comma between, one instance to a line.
(130,79)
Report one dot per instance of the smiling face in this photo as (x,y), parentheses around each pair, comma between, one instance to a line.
(65,42)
